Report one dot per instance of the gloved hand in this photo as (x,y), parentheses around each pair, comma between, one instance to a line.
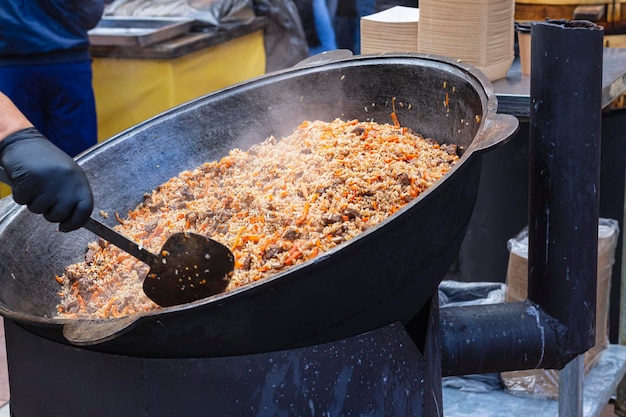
(46,179)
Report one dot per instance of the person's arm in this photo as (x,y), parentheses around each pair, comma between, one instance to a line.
(11,119)
(42,176)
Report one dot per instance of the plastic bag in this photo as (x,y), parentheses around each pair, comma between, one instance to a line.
(212,12)
(284,39)
(455,293)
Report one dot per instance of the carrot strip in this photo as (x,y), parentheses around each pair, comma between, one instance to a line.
(237,239)
(394,116)
(305,213)
(294,253)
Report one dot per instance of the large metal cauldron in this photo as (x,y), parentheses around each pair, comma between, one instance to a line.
(383,276)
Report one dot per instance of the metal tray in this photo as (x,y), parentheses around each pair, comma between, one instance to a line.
(133,31)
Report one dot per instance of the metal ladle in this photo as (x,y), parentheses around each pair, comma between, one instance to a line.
(188,267)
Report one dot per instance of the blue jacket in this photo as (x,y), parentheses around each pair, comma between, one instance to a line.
(46,31)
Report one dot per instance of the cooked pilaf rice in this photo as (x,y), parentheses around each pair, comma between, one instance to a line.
(279,204)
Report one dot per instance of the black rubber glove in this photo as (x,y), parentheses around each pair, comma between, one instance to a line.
(46,179)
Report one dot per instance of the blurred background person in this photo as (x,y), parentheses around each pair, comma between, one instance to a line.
(347,26)
(45,67)
(317,24)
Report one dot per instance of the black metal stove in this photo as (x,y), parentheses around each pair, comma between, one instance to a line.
(379,373)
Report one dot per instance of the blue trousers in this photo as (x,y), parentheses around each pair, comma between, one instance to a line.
(324,27)
(58,100)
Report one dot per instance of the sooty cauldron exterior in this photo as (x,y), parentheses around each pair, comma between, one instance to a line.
(383,276)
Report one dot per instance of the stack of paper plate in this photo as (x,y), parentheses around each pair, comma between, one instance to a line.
(478,32)
(391,30)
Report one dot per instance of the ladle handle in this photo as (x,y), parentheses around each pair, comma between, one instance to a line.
(108,234)
(121,241)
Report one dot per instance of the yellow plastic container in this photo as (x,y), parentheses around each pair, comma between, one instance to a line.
(130,91)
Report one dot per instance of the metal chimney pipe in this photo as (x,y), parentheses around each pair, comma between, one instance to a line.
(564,149)
(557,321)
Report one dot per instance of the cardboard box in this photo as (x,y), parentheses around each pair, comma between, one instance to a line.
(544,383)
